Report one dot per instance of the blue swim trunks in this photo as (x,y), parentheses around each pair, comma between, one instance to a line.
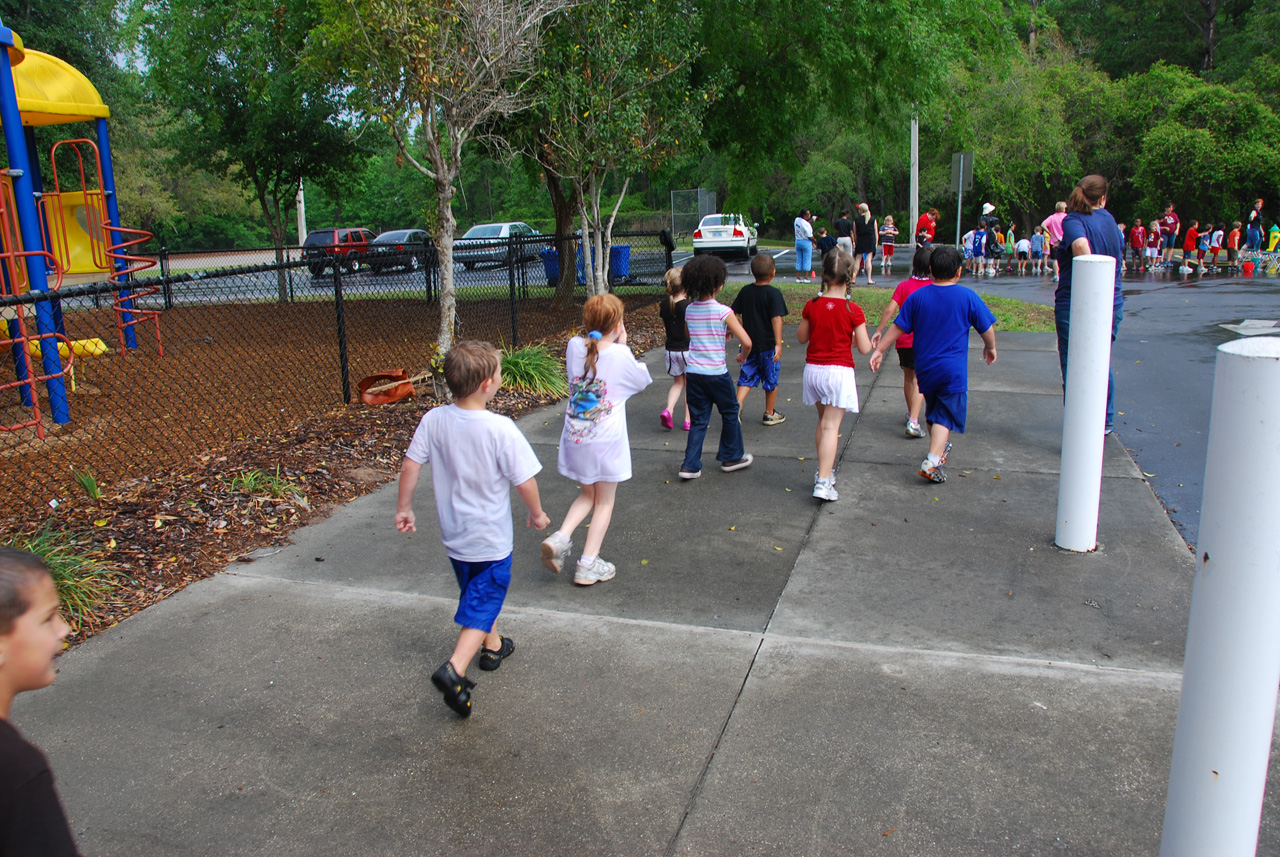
(483,588)
(760,369)
(947,409)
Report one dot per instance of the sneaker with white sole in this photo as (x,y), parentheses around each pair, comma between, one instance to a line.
(831,479)
(774,419)
(946,450)
(740,464)
(555,551)
(914,430)
(825,489)
(597,571)
(932,472)
(686,473)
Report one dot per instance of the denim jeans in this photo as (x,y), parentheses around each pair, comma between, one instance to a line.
(702,392)
(1062,320)
(804,256)
(1253,238)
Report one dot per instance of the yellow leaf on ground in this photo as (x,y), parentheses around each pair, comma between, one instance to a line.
(1148,475)
(111,544)
(734,527)
(788,490)
(644,562)
(159,523)
(102,522)
(775,547)
(997,476)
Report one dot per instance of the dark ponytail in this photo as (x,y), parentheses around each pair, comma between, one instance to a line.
(1086,194)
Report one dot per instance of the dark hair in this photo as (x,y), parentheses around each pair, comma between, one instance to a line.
(920,262)
(18,571)
(467,365)
(945,262)
(844,212)
(837,267)
(601,313)
(703,277)
(1087,193)
(763,266)
(803,212)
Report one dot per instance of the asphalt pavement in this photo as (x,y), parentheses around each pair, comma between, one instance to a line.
(911,670)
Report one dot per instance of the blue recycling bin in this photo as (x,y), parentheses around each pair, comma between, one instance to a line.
(551,265)
(619,262)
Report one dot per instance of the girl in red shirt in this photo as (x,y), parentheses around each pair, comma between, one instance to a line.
(831,324)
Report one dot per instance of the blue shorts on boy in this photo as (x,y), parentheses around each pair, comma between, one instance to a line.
(940,317)
(483,589)
(947,409)
(760,370)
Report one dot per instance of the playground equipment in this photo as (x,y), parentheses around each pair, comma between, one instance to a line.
(47,234)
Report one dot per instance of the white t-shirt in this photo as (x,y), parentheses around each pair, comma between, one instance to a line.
(475,457)
(1023,246)
(804,230)
(594,446)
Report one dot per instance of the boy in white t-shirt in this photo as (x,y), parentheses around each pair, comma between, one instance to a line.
(476,456)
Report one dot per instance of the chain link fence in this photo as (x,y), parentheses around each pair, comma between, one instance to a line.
(218,347)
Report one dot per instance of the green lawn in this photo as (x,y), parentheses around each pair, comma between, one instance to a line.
(1012,315)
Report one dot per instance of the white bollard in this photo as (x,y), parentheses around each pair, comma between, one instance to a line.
(1084,418)
(1222,745)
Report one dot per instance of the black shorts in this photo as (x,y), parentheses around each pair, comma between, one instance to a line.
(1022,255)
(906,357)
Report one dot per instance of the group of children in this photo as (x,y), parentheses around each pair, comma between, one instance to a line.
(476,456)
(1149,249)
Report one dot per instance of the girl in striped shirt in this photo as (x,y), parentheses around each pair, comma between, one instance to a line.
(707,375)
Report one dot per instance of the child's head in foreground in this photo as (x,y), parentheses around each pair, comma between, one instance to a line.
(837,269)
(944,263)
(920,262)
(763,268)
(703,277)
(31,628)
(468,365)
(672,279)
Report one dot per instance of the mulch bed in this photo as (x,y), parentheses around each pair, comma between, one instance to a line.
(183,521)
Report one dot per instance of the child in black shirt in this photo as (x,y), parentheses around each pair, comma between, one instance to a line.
(762,307)
(672,311)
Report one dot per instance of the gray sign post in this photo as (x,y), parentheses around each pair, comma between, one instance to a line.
(961,181)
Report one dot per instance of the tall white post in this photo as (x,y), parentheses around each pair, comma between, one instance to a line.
(1232,665)
(915,174)
(302,214)
(1084,417)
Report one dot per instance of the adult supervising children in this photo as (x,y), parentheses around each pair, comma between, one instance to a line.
(476,456)
(804,246)
(1089,228)
(940,316)
(762,307)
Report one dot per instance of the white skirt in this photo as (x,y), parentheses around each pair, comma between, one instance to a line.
(831,385)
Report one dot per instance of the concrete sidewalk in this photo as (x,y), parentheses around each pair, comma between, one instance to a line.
(912,670)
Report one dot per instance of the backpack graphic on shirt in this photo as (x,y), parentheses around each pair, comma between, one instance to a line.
(588,405)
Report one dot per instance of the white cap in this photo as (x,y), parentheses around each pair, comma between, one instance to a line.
(987,208)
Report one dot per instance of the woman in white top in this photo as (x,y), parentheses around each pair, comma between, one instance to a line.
(804,247)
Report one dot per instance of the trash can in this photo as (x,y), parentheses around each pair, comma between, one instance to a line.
(620,261)
(551,265)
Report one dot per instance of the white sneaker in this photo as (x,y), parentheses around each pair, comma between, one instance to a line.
(555,551)
(824,489)
(914,430)
(598,570)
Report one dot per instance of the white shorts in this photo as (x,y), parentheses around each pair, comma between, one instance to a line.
(1153,253)
(845,244)
(676,365)
(831,385)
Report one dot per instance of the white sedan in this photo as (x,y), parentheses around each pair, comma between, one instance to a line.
(725,233)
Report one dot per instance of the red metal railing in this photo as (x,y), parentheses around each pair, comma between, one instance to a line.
(129,265)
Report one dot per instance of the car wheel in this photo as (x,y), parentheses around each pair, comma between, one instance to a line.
(376,269)
(352,264)
(316,268)
(751,251)
(414,263)
(697,252)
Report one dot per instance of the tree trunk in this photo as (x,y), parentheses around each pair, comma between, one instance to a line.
(564,207)
(448,302)
(277,238)
(1033,32)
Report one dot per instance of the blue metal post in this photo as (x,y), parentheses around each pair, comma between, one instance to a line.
(19,171)
(113,214)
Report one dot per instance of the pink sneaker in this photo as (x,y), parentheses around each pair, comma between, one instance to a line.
(687,424)
(665,419)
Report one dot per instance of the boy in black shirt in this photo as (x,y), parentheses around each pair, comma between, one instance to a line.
(762,308)
(32,823)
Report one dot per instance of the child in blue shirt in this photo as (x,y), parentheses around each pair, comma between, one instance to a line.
(940,316)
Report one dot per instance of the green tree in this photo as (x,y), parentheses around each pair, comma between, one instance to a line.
(231,71)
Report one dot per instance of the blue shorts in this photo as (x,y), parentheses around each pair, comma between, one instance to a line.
(1169,241)
(484,588)
(947,409)
(760,369)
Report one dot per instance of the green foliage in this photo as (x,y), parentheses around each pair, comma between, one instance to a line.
(83,583)
(88,482)
(532,369)
(264,483)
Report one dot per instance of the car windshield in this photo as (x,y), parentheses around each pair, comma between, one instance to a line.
(396,237)
(719,220)
(485,230)
(320,236)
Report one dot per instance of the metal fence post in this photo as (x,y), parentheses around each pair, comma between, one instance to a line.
(511,281)
(341,320)
(166,288)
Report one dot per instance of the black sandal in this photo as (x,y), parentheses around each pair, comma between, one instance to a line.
(490,660)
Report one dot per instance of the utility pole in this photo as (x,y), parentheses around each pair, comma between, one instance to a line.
(915,173)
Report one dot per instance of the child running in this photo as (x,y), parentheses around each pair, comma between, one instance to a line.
(672,312)
(831,324)
(476,456)
(920,277)
(940,316)
(32,632)
(888,240)
(595,451)
(708,381)
(762,307)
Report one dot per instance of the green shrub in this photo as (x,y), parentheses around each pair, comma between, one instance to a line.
(533,370)
(83,583)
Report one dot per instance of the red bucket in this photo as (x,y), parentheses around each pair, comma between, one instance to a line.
(1247,269)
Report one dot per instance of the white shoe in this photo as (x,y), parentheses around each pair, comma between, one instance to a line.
(597,571)
(914,430)
(824,489)
(555,551)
